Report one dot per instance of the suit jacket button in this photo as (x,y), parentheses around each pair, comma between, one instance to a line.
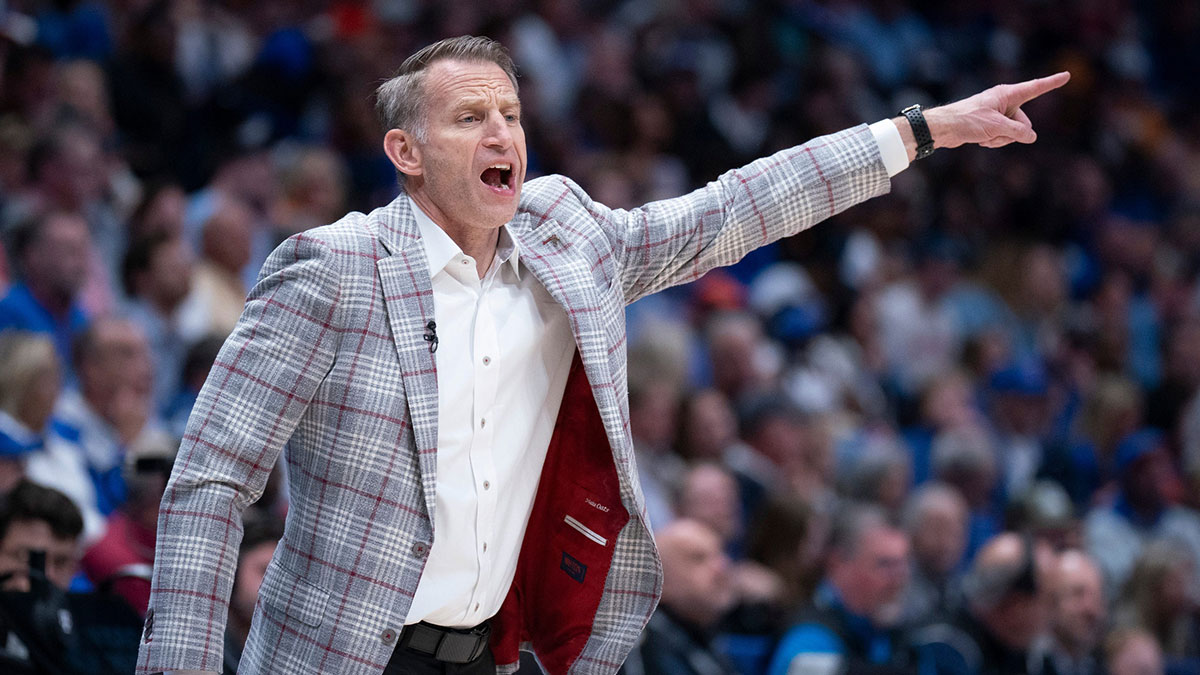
(419,549)
(388,636)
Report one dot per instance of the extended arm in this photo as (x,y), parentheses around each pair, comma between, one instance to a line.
(677,240)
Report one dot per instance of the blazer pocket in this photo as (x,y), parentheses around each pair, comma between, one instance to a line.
(285,592)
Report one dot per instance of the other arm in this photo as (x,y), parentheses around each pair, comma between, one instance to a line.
(256,393)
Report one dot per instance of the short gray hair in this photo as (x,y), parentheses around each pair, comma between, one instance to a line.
(852,522)
(400,101)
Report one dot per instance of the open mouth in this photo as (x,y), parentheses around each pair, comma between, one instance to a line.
(498,176)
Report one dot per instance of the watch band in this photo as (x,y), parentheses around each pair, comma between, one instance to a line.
(920,129)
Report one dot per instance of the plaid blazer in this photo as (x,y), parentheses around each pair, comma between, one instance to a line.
(329,359)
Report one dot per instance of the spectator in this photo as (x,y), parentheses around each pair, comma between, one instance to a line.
(70,172)
(652,410)
(880,474)
(920,332)
(39,552)
(1020,411)
(707,427)
(112,406)
(123,559)
(1003,614)
(217,291)
(696,594)
(50,254)
(1159,599)
(736,344)
(936,521)
(1078,615)
(708,494)
(36,518)
(854,619)
(313,193)
(1085,466)
(157,278)
(1045,511)
(1116,534)
(797,458)
(964,459)
(31,443)
(946,404)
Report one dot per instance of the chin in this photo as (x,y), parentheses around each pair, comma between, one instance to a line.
(495,215)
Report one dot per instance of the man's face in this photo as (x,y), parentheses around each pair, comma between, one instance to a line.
(696,581)
(170,272)
(873,577)
(1077,610)
(469,168)
(940,538)
(58,260)
(24,536)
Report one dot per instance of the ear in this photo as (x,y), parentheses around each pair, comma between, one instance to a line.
(401,148)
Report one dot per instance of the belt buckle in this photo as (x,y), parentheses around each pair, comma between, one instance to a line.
(462,646)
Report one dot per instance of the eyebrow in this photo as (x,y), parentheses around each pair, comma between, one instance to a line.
(477,101)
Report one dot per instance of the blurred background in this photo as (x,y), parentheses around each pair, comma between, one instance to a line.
(970,405)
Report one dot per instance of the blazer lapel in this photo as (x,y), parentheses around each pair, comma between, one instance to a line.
(408,297)
(547,251)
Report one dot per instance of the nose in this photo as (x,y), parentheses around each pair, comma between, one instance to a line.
(498,134)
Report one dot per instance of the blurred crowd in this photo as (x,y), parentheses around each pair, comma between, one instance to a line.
(955,429)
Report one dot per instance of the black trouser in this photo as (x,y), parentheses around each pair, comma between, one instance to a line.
(408,661)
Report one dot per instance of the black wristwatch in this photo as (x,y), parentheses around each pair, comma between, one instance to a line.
(920,129)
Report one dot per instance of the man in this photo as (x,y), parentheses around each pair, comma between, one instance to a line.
(36,518)
(52,260)
(936,522)
(123,558)
(1117,533)
(111,410)
(697,591)
(1077,615)
(853,623)
(1004,613)
(416,359)
(39,528)
(157,278)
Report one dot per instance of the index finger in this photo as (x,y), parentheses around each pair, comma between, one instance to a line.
(1028,90)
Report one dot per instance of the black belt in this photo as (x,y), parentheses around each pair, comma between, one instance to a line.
(450,645)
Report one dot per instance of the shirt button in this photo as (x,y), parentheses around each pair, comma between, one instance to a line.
(487,360)
(477,607)
(419,549)
(388,636)
(487,485)
(466,262)
(482,423)
(485,547)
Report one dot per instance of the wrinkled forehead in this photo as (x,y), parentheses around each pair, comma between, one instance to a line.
(451,81)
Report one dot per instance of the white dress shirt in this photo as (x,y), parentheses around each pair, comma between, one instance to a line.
(503,355)
(504,351)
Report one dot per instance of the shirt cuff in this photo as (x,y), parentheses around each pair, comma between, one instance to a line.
(891,147)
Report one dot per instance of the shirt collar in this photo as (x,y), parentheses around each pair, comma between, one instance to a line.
(440,249)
